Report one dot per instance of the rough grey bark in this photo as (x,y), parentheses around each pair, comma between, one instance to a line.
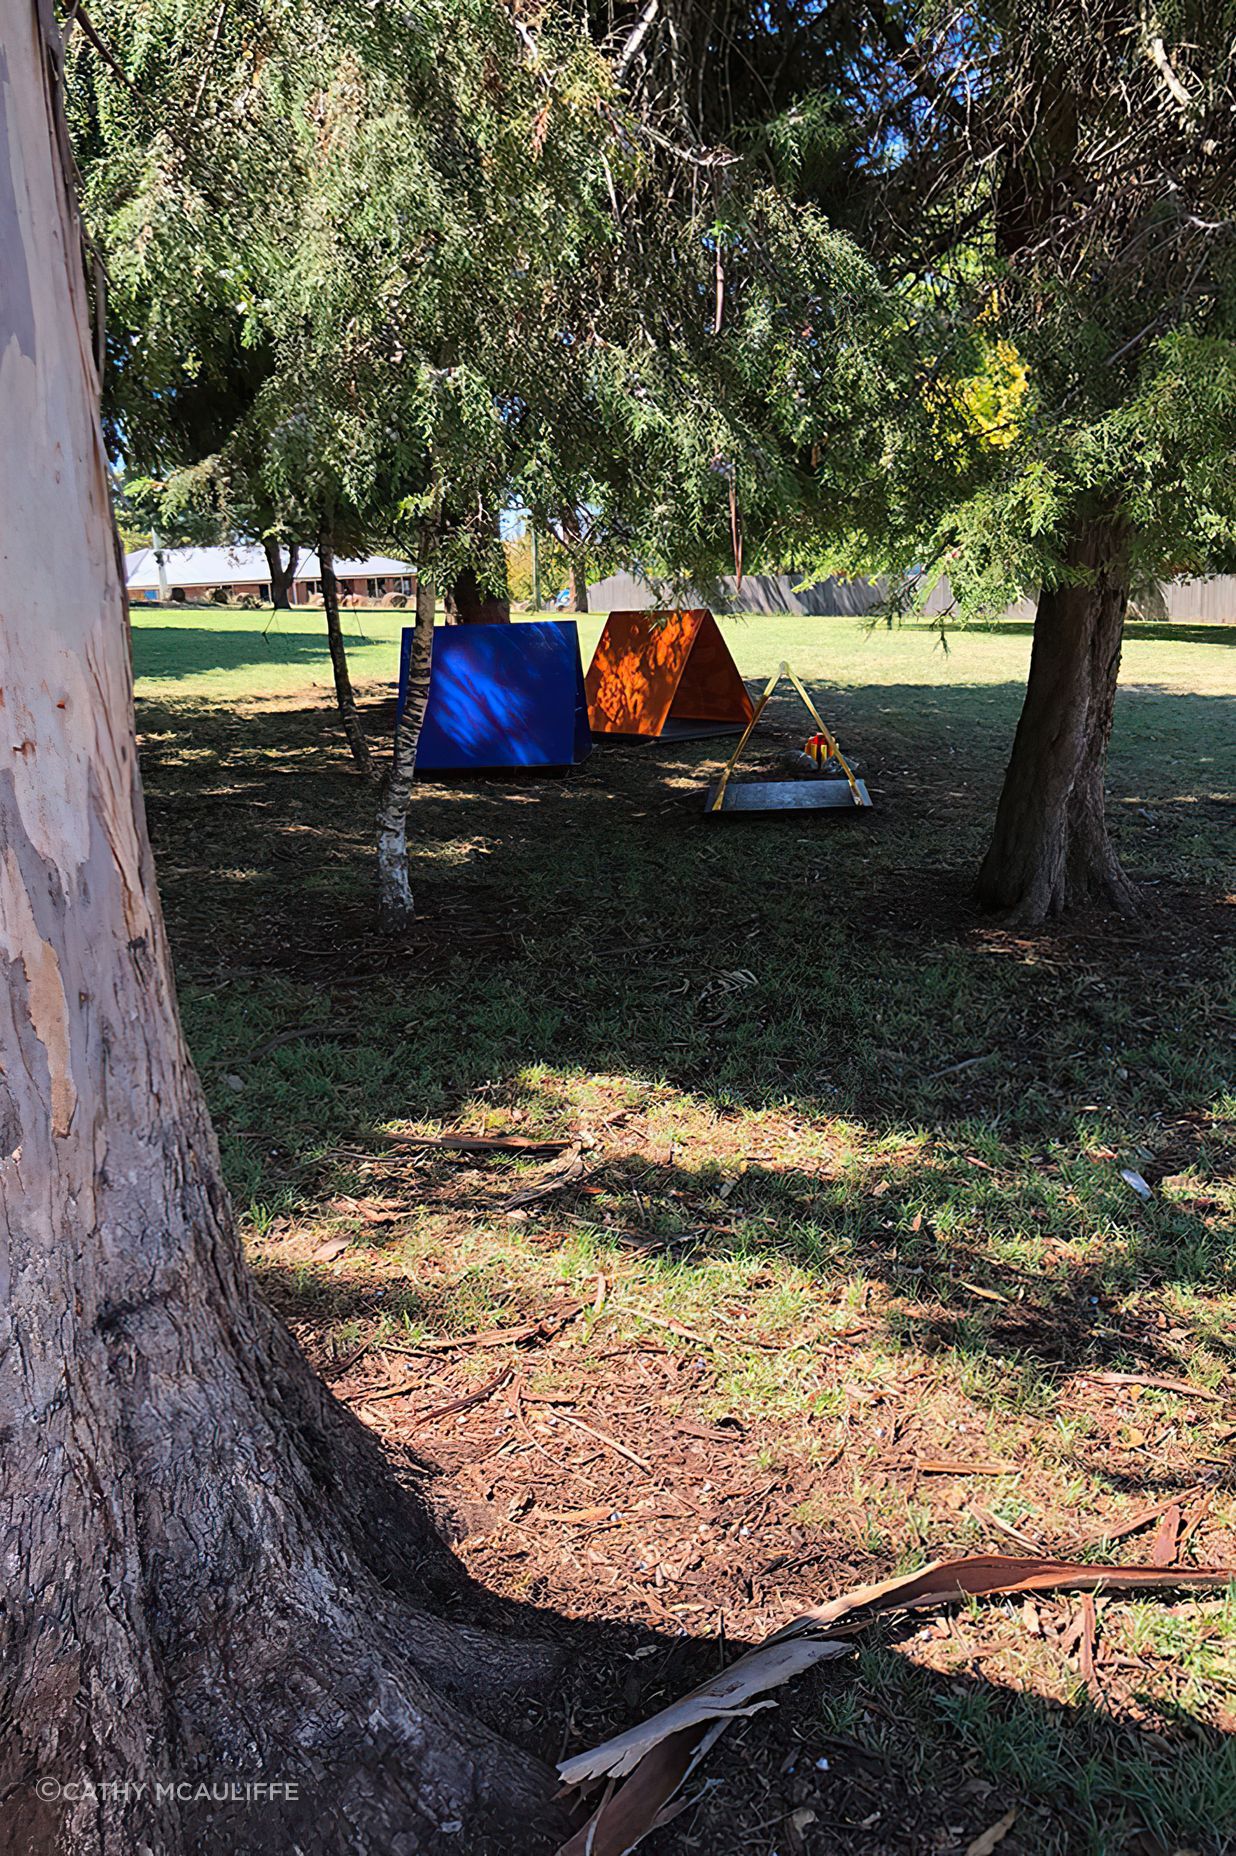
(281,576)
(210,1577)
(395,903)
(345,701)
(1050,849)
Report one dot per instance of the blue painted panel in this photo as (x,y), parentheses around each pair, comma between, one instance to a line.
(502,696)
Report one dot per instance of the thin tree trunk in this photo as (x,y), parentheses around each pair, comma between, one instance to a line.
(210,1575)
(395,904)
(344,699)
(577,560)
(281,577)
(1050,849)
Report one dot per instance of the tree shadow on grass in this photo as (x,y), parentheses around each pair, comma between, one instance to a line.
(181,653)
(884,1754)
(599,926)
(587,934)
(1159,631)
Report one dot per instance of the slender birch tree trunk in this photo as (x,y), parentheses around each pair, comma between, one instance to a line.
(209,1574)
(395,903)
(345,701)
(1050,849)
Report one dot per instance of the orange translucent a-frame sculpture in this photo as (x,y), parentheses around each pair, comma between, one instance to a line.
(664,674)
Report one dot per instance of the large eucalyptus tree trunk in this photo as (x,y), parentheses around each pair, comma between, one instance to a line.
(209,1578)
(1050,849)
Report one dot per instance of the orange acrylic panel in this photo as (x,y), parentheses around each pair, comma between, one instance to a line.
(651,669)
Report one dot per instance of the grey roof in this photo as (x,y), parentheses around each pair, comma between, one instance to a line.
(242,565)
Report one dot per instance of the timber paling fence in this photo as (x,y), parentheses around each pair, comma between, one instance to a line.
(1206,602)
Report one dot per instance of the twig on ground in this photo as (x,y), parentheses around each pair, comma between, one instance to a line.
(1139,1520)
(610,1442)
(469,1399)
(1182,1386)
(545,1329)
(482,1143)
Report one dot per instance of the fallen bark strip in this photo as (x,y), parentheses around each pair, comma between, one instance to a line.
(655,1757)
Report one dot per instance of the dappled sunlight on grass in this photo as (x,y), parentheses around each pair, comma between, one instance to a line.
(841,1246)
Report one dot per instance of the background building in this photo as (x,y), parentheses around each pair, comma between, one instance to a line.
(198,573)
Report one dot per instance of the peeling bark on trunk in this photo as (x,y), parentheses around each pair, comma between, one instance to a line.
(281,577)
(345,701)
(1050,850)
(395,904)
(210,1576)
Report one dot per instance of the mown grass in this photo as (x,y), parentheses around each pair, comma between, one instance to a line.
(865,1147)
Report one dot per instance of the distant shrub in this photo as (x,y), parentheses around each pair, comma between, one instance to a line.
(395,600)
(220,596)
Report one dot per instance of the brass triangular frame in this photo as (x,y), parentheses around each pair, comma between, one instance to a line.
(857,792)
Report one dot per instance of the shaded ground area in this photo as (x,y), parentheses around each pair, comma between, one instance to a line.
(836,1267)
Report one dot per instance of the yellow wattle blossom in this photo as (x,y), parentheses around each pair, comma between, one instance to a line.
(990,400)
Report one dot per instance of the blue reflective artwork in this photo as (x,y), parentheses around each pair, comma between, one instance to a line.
(502,696)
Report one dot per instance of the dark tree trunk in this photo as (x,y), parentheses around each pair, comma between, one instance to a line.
(473,603)
(345,701)
(281,577)
(395,904)
(478,595)
(210,1575)
(1050,850)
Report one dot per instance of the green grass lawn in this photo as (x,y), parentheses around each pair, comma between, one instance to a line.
(843,1204)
